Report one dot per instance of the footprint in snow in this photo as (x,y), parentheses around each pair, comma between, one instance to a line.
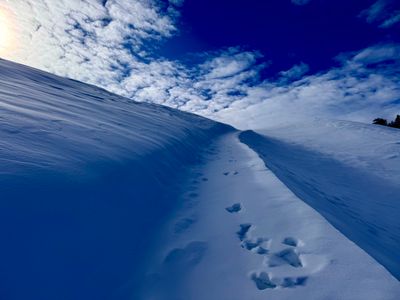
(264,281)
(234,173)
(235,208)
(290,241)
(289,282)
(244,229)
(183,224)
(287,256)
(255,244)
(188,256)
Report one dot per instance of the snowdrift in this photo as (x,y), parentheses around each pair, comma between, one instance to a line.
(349,172)
(85,178)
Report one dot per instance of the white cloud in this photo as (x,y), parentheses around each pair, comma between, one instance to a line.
(354,91)
(295,72)
(375,11)
(377,54)
(366,85)
(229,63)
(393,19)
(382,12)
(86,40)
(300,2)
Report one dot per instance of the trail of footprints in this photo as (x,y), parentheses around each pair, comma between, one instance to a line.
(260,246)
(231,173)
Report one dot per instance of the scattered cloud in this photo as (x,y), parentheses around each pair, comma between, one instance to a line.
(393,19)
(294,73)
(385,13)
(94,41)
(365,85)
(177,2)
(229,63)
(300,2)
(377,54)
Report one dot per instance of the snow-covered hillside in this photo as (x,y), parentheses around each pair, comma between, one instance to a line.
(106,198)
(85,179)
(349,172)
(374,149)
(240,233)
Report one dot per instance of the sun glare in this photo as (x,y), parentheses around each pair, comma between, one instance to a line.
(4,33)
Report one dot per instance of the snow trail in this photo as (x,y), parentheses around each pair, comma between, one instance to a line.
(359,201)
(240,233)
(86,177)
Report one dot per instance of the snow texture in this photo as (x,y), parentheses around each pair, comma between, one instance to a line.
(106,198)
(275,247)
(349,172)
(85,179)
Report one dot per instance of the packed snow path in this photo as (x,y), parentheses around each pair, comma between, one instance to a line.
(241,234)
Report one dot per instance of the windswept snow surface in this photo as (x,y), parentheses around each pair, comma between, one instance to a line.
(370,148)
(241,234)
(106,198)
(349,172)
(86,177)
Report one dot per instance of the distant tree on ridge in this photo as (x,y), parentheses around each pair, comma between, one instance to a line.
(384,122)
(395,123)
(380,121)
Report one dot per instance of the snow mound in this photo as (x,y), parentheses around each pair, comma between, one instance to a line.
(85,178)
(349,172)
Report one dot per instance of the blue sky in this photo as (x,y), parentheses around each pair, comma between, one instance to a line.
(285,33)
(248,63)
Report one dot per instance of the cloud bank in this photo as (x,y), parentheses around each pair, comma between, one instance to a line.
(365,84)
(113,44)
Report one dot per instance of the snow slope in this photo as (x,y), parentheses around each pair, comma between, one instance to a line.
(370,148)
(106,198)
(86,177)
(349,172)
(240,233)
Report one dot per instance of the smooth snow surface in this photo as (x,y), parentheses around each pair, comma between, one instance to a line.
(371,148)
(241,234)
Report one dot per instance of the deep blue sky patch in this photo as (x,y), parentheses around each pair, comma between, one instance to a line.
(285,33)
